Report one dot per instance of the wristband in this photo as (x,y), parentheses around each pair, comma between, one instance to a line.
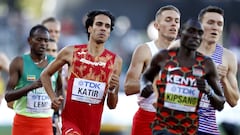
(210,94)
(111,91)
(141,87)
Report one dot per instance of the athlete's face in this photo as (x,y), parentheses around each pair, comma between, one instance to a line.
(213,26)
(54,29)
(167,24)
(191,35)
(100,31)
(38,42)
(52,49)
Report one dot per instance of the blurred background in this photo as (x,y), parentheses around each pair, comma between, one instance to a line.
(133,26)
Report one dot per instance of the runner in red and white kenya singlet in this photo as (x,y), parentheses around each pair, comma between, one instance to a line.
(86,91)
(179,96)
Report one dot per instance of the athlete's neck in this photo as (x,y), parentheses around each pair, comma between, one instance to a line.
(207,49)
(163,44)
(95,49)
(38,59)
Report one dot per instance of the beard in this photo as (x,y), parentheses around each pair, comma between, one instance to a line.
(100,41)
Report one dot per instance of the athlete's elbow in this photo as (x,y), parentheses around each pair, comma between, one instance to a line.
(233,103)
(129,90)
(220,105)
(233,100)
(7,97)
(126,89)
(220,108)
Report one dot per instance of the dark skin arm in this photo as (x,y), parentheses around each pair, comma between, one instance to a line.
(59,86)
(15,73)
(217,98)
(151,72)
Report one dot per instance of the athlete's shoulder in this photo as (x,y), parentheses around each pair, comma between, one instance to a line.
(142,49)
(68,48)
(80,45)
(17,59)
(144,45)
(228,52)
(229,55)
(16,63)
(110,52)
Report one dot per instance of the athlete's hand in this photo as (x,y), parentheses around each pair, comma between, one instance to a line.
(36,84)
(202,85)
(147,91)
(57,102)
(114,81)
(222,71)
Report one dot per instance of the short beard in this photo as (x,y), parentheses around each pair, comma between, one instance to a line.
(99,41)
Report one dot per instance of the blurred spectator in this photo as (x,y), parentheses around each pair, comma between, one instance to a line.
(4,66)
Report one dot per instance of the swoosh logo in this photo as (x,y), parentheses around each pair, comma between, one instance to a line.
(170,69)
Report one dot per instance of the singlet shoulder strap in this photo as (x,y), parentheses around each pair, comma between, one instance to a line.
(218,54)
(153,48)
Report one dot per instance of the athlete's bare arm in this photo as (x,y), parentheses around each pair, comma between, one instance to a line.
(147,79)
(140,59)
(112,98)
(15,72)
(216,98)
(228,77)
(64,57)
(59,86)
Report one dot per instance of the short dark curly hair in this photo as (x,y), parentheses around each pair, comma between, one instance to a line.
(36,28)
(91,16)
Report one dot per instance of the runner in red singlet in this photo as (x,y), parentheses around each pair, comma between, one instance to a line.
(93,76)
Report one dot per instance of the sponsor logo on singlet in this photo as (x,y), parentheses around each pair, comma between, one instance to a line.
(181,80)
(88,91)
(38,101)
(181,93)
(100,63)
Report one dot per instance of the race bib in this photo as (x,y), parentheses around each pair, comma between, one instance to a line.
(88,91)
(180,97)
(38,101)
(204,102)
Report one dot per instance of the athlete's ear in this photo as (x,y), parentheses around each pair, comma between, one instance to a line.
(155,24)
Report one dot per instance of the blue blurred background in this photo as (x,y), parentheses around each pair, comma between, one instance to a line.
(133,26)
